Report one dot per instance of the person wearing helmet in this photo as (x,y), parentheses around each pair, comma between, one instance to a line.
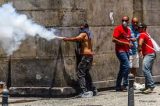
(133,52)
(85,54)
(145,48)
(121,38)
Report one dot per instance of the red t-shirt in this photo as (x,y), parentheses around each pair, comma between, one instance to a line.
(147,41)
(123,35)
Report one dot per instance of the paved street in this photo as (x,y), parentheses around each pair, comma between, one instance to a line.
(104,98)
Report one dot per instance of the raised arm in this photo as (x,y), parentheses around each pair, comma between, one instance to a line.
(76,38)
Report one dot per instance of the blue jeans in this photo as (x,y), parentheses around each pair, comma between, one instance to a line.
(147,70)
(124,69)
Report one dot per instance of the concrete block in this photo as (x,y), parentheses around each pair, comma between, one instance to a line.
(27,49)
(102,41)
(32,72)
(53,91)
(72,17)
(81,4)
(138,5)
(36,4)
(106,64)
(4,68)
(62,17)
(64,72)
(94,10)
(41,91)
(42,72)
(68,31)
(98,11)
(151,5)
(68,48)
(46,48)
(104,84)
(2,52)
(151,17)
(45,18)
(54,46)
(2,2)
(67,3)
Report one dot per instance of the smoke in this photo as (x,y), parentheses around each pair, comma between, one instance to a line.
(15,27)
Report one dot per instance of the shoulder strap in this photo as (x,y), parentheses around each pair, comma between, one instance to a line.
(151,41)
(147,34)
(149,46)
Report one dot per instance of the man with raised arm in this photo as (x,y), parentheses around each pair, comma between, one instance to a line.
(85,53)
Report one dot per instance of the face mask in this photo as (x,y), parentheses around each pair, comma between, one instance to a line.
(125,24)
(80,30)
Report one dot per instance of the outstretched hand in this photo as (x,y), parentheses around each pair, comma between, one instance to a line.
(65,38)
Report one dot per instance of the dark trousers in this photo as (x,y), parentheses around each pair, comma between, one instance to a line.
(84,77)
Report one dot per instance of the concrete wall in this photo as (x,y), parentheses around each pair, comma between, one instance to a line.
(47,67)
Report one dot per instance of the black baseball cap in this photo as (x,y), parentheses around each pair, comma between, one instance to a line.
(142,25)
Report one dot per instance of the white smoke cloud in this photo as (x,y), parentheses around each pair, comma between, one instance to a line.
(15,27)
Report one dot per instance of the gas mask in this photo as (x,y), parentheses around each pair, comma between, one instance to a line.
(125,24)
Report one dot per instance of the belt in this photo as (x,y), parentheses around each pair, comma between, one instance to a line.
(87,55)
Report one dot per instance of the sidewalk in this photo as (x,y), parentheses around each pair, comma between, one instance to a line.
(104,98)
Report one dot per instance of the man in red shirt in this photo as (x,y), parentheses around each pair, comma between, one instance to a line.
(121,38)
(146,50)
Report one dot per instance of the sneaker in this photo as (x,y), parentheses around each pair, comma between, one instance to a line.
(143,89)
(148,90)
(124,88)
(87,94)
(138,86)
(118,89)
(95,92)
